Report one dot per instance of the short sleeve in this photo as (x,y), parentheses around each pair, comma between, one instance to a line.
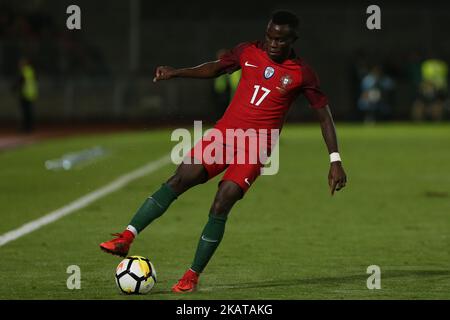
(311,89)
(231,59)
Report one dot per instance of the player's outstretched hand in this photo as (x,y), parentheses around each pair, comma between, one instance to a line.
(164,73)
(336,177)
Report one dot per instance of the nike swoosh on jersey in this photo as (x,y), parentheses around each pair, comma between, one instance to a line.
(250,65)
(208,240)
(246,181)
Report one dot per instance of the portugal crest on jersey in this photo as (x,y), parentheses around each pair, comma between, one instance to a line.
(268,73)
(285,81)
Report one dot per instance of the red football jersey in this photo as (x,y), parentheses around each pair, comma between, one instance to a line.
(267,88)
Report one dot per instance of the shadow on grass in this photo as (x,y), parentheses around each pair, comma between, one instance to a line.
(323,281)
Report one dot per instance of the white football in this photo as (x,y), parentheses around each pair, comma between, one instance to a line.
(135,275)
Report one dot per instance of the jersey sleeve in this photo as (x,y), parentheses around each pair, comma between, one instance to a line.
(311,89)
(231,61)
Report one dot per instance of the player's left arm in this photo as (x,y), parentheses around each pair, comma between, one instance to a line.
(336,176)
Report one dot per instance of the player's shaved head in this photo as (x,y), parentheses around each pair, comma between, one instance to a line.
(284,17)
(281,33)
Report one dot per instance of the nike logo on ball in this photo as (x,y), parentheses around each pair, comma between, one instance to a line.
(246,181)
(250,65)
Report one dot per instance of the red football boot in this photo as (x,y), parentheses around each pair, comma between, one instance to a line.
(120,245)
(188,283)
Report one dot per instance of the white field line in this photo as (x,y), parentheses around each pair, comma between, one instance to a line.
(84,201)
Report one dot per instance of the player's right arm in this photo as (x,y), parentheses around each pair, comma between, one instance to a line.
(228,63)
(204,71)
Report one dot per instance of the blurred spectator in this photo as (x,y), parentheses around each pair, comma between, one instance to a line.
(432,91)
(225,87)
(359,67)
(413,72)
(27,92)
(374,101)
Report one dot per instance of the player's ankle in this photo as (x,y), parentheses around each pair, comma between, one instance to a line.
(128,235)
(131,232)
(192,271)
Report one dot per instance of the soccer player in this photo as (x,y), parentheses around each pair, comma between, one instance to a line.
(272,78)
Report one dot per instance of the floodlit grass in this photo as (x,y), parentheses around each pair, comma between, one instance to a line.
(287,239)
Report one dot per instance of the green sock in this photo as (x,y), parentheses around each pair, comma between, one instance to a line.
(153,207)
(209,241)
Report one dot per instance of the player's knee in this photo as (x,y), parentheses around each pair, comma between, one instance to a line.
(226,197)
(220,207)
(175,182)
(182,180)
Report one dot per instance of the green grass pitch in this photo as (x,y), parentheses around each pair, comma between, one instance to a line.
(287,239)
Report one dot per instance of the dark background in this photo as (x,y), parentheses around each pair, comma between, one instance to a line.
(104,71)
